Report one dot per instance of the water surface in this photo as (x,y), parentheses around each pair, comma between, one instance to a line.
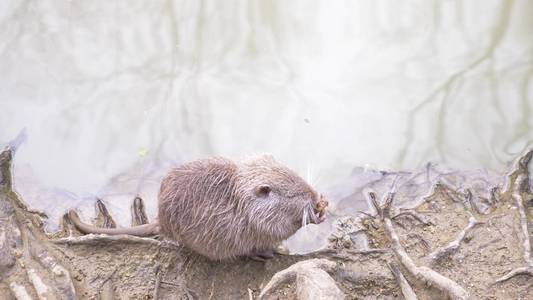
(113,93)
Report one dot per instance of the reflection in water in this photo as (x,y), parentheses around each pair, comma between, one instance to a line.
(114,93)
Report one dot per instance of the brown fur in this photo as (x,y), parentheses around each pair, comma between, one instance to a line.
(222,209)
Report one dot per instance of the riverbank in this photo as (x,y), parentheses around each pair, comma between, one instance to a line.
(457,243)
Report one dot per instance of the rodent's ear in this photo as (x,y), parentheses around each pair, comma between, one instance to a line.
(262,191)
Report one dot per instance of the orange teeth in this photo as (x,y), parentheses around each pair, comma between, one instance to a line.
(321,206)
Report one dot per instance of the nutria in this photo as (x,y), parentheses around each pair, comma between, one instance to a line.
(222,209)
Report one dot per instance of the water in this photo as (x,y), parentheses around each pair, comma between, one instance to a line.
(113,93)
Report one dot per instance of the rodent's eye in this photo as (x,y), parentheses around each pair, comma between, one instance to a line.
(262,191)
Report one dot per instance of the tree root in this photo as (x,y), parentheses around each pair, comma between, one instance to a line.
(157,282)
(19,291)
(517,184)
(347,254)
(407,290)
(515,272)
(472,205)
(414,214)
(59,274)
(421,239)
(305,273)
(103,218)
(92,239)
(454,245)
(521,180)
(424,274)
(328,251)
(520,167)
(138,212)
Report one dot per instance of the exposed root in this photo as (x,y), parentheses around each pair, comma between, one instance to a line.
(424,274)
(59,274)
(407,290)
(348,254)
(526,244)
(520,181)
(515,272)
(19,291)
(103,218)
(92,239)
(366,214)
(421,239)
(451,193)
(42,290)
(494,195)
(328,251)
(469,196)
(106,292)
(520,167)
(157,282)
(415,215)
(138,212)
(454,245)
(291,273)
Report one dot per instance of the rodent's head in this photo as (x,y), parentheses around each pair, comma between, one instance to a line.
(281,201)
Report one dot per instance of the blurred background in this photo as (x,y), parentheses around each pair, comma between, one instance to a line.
(113,93)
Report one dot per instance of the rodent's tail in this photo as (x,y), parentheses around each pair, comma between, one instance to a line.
(141,230)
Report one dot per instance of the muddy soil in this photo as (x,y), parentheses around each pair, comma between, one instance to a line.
(471,237)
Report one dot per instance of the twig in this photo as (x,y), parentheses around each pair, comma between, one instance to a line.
(451,193)
(515,272)
(420,218)
(350,251)
(424,274)
(469,196)
(494,197)
(454,245)
(347,254)
(407,291)
(366,214)
(169,283)
(422,240)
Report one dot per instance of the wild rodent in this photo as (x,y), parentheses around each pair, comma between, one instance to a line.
(223,209)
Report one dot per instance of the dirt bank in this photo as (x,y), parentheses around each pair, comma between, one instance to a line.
(457,243)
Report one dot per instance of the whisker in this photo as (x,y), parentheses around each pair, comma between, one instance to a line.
(304,217)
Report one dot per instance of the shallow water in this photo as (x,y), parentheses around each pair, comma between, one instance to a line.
(113,93)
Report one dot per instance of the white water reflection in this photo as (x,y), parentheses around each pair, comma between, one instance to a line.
(112,93)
